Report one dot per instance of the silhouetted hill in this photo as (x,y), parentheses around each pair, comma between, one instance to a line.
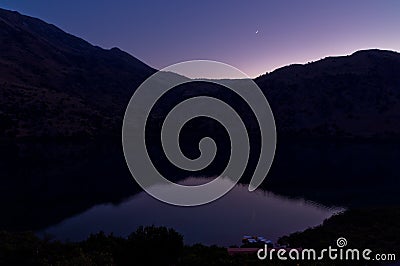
(347,96)
(54,84)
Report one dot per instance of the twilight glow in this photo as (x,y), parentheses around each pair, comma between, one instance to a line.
(256,36)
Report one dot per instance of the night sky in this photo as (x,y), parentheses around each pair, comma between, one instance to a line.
(254,36)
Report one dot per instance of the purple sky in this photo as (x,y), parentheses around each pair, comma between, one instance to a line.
(161,32)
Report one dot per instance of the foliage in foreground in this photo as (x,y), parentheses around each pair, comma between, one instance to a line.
(376,229)
(146,246)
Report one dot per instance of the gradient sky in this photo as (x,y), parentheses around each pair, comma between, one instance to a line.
(161,33)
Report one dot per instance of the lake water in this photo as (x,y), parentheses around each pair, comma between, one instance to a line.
(72,189)
(222,222)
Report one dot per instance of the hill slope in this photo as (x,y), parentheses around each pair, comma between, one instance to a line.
(348,96)
(54,84)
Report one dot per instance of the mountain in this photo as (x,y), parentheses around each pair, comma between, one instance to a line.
(346,97)
(53,84)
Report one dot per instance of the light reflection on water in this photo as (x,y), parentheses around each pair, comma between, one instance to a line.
(221,222)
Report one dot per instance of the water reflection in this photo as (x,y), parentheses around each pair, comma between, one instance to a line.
(43,185)
(222,222)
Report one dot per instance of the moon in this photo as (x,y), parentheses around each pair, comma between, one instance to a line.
(257,32)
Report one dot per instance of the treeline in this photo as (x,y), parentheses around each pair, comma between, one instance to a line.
(146,246)
(376,229)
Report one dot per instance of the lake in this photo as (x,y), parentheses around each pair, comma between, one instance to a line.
(222,222)
(71,189)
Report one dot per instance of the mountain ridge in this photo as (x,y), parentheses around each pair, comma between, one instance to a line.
(53,84)
(336,57)
(347,97)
